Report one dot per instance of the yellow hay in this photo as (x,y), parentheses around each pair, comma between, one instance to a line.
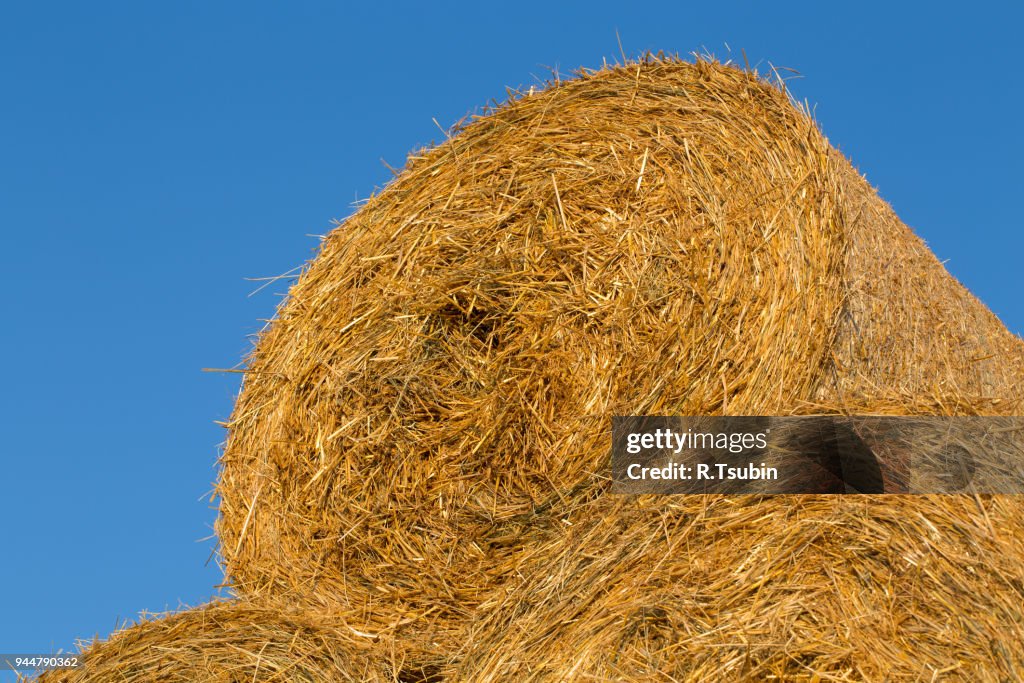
(420,447)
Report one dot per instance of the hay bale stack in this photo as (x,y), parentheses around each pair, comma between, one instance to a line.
(229,642)
(423,431)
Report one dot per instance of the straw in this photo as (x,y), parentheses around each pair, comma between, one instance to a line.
(231,641)
(420,447)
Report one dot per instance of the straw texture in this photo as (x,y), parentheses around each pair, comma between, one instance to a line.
(231,642)
(795,588)
(657,238)
(423,431)
(910,333)
(420,446)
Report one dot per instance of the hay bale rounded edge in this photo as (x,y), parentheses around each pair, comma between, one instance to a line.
(423,429)
(231,641)
(662,237)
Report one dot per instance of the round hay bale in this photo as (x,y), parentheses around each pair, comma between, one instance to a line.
(740,588)
(663,237)
(423,430)
(231,642)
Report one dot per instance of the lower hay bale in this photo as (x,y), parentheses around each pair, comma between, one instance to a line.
(747,587)
(796,588)
(422,434)
(236,642)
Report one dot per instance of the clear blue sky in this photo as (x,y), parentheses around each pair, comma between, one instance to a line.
(154,155)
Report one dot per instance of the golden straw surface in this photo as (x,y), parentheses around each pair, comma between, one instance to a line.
(657,238)
(233,641)
(420,446)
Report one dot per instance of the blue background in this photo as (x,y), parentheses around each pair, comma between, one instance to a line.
(155,155)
